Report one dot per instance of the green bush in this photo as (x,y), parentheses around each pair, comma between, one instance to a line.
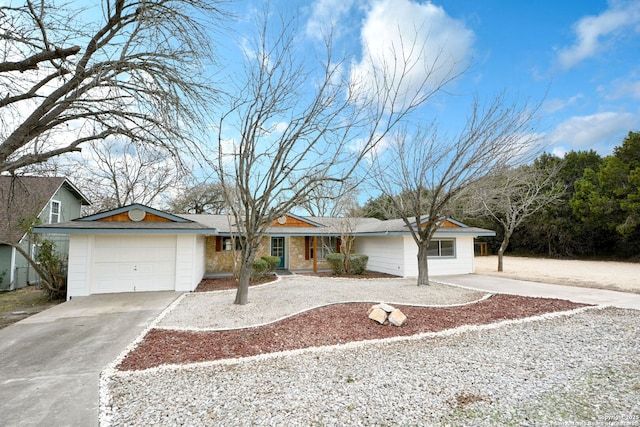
(336,261)
(273,261)
(358,263)
(259,268)
(55,269)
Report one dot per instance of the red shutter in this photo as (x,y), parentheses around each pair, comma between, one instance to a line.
(218,243)
(338,244)
(307,246)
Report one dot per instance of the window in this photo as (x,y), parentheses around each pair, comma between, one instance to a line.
(226,244)
(54,213)
(326,245)
(442,248)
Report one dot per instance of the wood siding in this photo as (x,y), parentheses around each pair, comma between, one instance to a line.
(124,217)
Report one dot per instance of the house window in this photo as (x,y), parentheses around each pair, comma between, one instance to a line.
(226,244)
(442,248)
(325,245)
(54,213)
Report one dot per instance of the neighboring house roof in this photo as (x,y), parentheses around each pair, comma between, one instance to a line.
(26,196)
(131,219)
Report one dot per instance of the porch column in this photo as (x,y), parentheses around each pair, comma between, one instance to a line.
(315,254)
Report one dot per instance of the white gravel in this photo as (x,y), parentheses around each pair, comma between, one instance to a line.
(293,294)
(557,369)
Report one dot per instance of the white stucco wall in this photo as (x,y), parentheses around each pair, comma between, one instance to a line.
(80,252)
(399,255)
(386,253)
(461,263)
(190,261)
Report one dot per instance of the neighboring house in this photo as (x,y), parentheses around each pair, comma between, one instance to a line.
(138,248)
(22,199)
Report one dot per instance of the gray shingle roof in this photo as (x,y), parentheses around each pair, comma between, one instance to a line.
(23,197)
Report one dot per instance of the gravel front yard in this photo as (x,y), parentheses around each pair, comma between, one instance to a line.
(580,365)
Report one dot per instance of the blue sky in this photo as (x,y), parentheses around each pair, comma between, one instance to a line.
(582,57)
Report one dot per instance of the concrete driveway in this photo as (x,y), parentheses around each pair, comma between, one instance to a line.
(50,363)
(536,289)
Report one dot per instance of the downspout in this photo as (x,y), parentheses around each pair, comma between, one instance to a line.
(12,268)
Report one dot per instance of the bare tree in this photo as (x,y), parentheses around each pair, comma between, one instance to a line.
(200,198)
(73,74)
(514,194)
(423,173)
(297,128)
(114,174)
(332,199)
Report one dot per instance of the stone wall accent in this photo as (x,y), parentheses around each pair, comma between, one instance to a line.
(222,261)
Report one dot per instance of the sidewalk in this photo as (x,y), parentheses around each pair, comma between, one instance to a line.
(536,289)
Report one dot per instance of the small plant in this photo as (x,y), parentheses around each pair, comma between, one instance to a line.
(259,268)
(358,263)
(336,261)
(273,261)
(55,269)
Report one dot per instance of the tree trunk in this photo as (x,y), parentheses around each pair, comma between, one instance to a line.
(242,294)
(503,247)
(423,265)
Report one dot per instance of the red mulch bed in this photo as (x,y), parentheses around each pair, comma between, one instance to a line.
(334,324)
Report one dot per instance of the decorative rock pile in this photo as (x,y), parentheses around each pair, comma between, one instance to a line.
(385,314)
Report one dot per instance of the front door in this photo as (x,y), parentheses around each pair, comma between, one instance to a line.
(277,249)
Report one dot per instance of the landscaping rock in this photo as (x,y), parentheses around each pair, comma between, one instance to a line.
(397,318)
(385,314)
(379,315)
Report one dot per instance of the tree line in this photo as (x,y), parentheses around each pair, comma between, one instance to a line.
(580,205)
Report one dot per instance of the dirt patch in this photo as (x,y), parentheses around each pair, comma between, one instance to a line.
(22,303)
(616,276)
(329,325)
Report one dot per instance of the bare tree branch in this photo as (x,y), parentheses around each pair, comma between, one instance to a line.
(138,70)
(297,129)
(424,172)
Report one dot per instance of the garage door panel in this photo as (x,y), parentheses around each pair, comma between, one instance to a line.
(134,263)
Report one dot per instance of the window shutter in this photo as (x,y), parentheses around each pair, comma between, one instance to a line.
(338,244)
(307,245)
(218,243)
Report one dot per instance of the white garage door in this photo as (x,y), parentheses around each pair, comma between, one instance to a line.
(133,263)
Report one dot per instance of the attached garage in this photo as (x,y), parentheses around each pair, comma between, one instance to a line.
(131,263)
(133,249)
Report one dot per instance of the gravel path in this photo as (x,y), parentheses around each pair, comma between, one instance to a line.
(578,366)
(293,294)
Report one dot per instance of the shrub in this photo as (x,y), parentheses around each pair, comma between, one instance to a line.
(259,268)
(273,261)
(336,261)
(358,263)
(55,269)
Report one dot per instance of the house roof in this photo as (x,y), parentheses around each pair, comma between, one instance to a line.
(131,219)
(137,219)
(333,226)
(26,196)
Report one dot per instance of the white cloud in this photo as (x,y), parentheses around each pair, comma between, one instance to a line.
(596,130)
(624,89)
(325,15)
(556,104)
(592,30)
(417,42)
